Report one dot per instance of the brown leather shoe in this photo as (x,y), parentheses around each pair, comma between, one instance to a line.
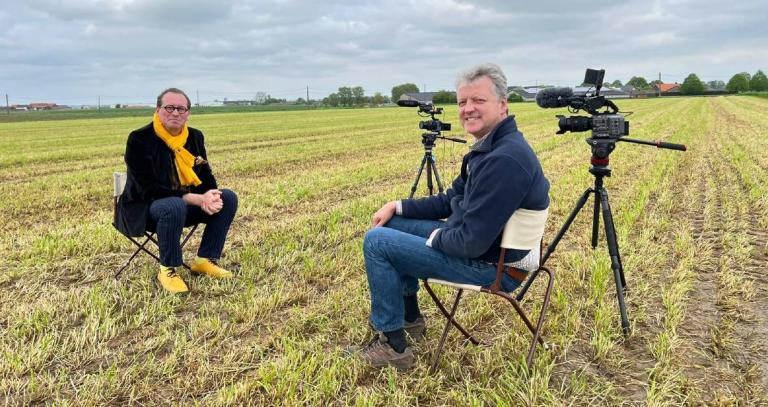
(378,353)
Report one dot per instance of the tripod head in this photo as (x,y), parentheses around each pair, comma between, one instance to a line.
(603,147)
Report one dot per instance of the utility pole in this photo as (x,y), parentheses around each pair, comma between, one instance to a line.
(659,85)
(7,106)
(99,105)
(307,94)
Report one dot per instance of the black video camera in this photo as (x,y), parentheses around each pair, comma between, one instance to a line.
(606,124)
(427,108)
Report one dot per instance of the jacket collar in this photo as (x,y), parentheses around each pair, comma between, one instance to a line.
(508,125)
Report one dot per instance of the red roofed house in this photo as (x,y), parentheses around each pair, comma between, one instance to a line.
(668,87)
(42,106)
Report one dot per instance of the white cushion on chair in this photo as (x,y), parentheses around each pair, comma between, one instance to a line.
(455,285)
(524,229)
(119,179)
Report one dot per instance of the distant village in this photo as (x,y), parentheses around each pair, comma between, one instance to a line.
(525,93)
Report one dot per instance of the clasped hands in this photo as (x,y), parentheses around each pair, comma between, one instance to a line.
(210,202)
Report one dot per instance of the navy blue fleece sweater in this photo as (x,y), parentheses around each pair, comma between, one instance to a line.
(499,175)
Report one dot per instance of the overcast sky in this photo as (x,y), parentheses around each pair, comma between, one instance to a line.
(126,51)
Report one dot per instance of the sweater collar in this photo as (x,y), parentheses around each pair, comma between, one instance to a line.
(508,125)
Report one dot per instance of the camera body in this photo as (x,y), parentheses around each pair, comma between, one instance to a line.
(434,125)
(603,125)
(607,124)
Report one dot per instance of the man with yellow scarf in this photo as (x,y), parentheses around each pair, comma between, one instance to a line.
(170,185)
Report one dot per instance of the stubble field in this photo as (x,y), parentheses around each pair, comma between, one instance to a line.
(692,229)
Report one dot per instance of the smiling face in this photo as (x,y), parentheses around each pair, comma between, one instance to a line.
(174,121)
(480,109)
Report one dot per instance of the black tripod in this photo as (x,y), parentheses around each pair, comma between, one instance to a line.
(428,140)
(601,149)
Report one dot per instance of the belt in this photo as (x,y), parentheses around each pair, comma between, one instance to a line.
(515,273)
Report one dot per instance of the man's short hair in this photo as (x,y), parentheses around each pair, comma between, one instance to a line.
(172,90)
(492,72)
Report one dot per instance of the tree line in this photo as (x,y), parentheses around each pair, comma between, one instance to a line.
(692,85)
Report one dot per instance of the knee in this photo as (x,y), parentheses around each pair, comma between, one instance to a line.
(168,208)
(373,238)
(229,198)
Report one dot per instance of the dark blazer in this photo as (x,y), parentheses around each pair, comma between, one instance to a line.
(152,175)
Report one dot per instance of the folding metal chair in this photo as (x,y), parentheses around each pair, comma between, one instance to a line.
(119,179)
(524,231)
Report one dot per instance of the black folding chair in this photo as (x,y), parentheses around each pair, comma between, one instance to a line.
(119,179)
(523,231)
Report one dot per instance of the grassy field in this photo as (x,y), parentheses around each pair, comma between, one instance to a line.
(692,227)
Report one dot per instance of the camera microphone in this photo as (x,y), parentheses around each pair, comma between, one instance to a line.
(408,103)
(553,97)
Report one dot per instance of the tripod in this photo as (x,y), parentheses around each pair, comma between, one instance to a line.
(428,162)
(601,149)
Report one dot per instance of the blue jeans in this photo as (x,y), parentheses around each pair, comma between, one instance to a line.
(397,257)
(169,216)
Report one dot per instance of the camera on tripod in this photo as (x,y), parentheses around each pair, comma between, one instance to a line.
(427,108)
(606,124)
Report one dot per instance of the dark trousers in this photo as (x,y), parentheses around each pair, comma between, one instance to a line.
(169,216)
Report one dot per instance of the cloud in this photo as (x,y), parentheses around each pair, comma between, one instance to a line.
(76,49)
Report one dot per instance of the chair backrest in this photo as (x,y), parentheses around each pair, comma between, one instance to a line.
(119,179)
(524,229)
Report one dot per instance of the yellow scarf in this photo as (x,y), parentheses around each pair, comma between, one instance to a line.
(184,159)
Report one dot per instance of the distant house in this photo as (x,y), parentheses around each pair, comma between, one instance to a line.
(668,88)
(528,93)
(42,106)
(425,97)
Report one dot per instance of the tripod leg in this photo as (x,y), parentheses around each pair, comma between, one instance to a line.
(579,204)
(613,250)
(595,221)
(430,186)
(437,174)
(418,176)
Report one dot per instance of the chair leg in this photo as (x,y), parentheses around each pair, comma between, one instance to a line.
(141,248)
(542,313)
(445,313)
(436,357)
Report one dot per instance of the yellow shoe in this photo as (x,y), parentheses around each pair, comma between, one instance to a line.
(171,281)
(209,268)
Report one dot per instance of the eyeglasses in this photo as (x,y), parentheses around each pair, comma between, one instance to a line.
(171,108)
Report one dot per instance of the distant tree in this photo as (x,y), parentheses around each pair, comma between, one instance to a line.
(759,82)
(358,95)
(738,83)
(692,85)
(300,101)
(444,96)
(616,84)
(260,98)
(345,96)
(378,99)
(332,100)
(746,75)
(638,82)
(716,85)
(514,98)
(398,90)
(654,83)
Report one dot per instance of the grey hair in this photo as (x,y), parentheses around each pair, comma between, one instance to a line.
(173,90)
(492,72)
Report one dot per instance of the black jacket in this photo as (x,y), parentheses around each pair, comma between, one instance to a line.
(152,175)
(498,176)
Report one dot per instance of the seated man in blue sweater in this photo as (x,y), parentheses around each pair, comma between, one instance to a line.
(410,240)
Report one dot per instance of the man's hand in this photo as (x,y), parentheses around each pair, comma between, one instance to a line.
(210,202)
(384,214)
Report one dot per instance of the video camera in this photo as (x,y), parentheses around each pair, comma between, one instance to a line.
(606,124)
(427,108)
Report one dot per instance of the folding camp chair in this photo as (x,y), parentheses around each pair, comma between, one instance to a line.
(523,231)
(119,179)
